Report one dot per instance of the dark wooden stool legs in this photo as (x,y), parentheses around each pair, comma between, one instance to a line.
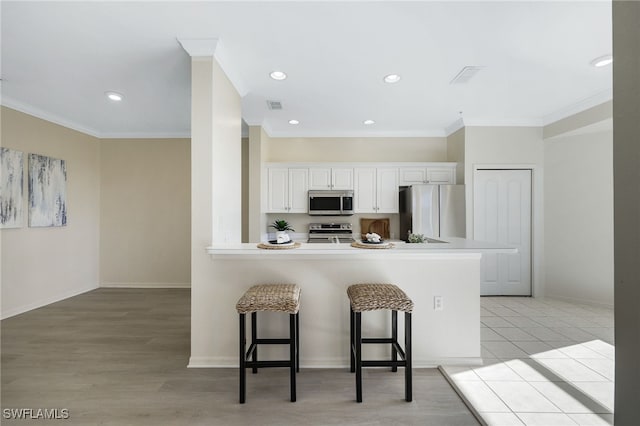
(356,342)
(249,357)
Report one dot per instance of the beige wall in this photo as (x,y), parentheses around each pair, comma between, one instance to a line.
(455,153)
(145,213)
(626,162)
(44,265)
(578,214)
(509,147)
(355,149)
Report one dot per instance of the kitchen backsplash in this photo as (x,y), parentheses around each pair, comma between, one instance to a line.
(300,222)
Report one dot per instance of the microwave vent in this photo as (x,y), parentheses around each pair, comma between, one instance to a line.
(274,105)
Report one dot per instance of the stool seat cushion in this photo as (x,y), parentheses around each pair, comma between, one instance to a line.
(371,297)
(270,297)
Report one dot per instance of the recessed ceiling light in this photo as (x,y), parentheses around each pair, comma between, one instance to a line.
(114,96)
(391,78)
(294,122)
(278,75)
(602,61)
(368,122)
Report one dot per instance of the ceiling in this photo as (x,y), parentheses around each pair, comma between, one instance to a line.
(58,59)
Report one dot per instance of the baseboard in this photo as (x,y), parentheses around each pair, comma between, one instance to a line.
(588,302)
(43,302)
(226,362)
(145,285)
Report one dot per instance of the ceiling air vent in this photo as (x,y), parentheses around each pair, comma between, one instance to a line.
(465,74)
(274,105)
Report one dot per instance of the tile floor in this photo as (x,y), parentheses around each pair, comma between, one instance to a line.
(546,362)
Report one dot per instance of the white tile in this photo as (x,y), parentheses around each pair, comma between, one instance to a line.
(603,333)
(522,397)
(459,373)
(601,392)
(604,367)
(496,322)
(505,350)
(488,335)
(514,334)
(572,370)
(568,398)
(546,419)
(581,351)
(545,334)
(503,312)
(501,419)
(574,333)
(497,372)
(482,398)
(540,350)
(606,349)
(549,322)
(593,419)
(579,321)
(523,322)
(530,371)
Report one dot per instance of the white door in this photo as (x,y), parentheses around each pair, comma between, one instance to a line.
(502,213)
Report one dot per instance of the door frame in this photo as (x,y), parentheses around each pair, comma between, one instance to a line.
(537,214)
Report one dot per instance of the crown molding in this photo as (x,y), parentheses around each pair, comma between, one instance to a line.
(578,107)
(201,48)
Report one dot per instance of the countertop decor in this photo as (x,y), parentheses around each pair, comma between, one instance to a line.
(269,246)
(384,245)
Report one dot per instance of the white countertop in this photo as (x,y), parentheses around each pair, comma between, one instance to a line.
(458,246)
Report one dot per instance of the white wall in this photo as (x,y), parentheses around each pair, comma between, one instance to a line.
(510,147)
(44,265)
(578,216)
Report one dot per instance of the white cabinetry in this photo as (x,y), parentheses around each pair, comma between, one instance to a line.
(436,175)
(287,190)
(375,190)
(330,178)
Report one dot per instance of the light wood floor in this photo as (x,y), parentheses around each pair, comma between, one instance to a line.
(119,356)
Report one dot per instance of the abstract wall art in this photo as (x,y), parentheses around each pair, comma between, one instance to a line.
(47,191)
(11,188)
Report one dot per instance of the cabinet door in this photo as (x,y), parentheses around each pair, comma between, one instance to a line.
(298,191)
(364,190)
(441,175)
(277,190)
(342,178)
(412,175)
(387,190)
(319,178)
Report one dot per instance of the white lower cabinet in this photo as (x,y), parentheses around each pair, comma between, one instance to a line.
(375,190)
(287,190)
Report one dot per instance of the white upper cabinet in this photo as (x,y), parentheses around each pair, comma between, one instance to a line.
(375,190)
(287,190)
(427,174)
(330,178)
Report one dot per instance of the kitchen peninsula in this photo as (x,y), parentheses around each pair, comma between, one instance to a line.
(448,270)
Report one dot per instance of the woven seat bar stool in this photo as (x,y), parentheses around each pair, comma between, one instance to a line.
(373,297)
(283,298)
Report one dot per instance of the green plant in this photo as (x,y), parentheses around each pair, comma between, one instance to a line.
(281,225)
(416,238)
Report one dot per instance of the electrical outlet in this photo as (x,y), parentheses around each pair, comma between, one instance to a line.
(438,303)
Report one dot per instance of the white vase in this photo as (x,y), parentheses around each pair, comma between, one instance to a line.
(282,237)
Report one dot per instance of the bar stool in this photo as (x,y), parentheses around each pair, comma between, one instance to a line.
(274,298)
(372,297)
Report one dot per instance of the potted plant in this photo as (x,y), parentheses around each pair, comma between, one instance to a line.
(281,226)
(416,238)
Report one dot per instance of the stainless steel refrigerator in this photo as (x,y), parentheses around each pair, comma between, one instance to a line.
(432,210)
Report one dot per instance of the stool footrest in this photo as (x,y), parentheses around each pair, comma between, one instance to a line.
(383,363)
(378,340)
(272,341)
(267,364)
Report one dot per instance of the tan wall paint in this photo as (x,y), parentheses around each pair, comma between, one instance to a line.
(578,217)
(584,118)
(245,190)
(455,153)
(356,149)
(44,265)
(146,212)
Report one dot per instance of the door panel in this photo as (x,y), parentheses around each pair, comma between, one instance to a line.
(502,213)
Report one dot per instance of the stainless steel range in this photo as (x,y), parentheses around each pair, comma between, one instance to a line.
(330,233)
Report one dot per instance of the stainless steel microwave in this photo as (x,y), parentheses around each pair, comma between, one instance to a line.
(331,203)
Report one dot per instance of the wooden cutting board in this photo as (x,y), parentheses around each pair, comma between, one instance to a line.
(378,226)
